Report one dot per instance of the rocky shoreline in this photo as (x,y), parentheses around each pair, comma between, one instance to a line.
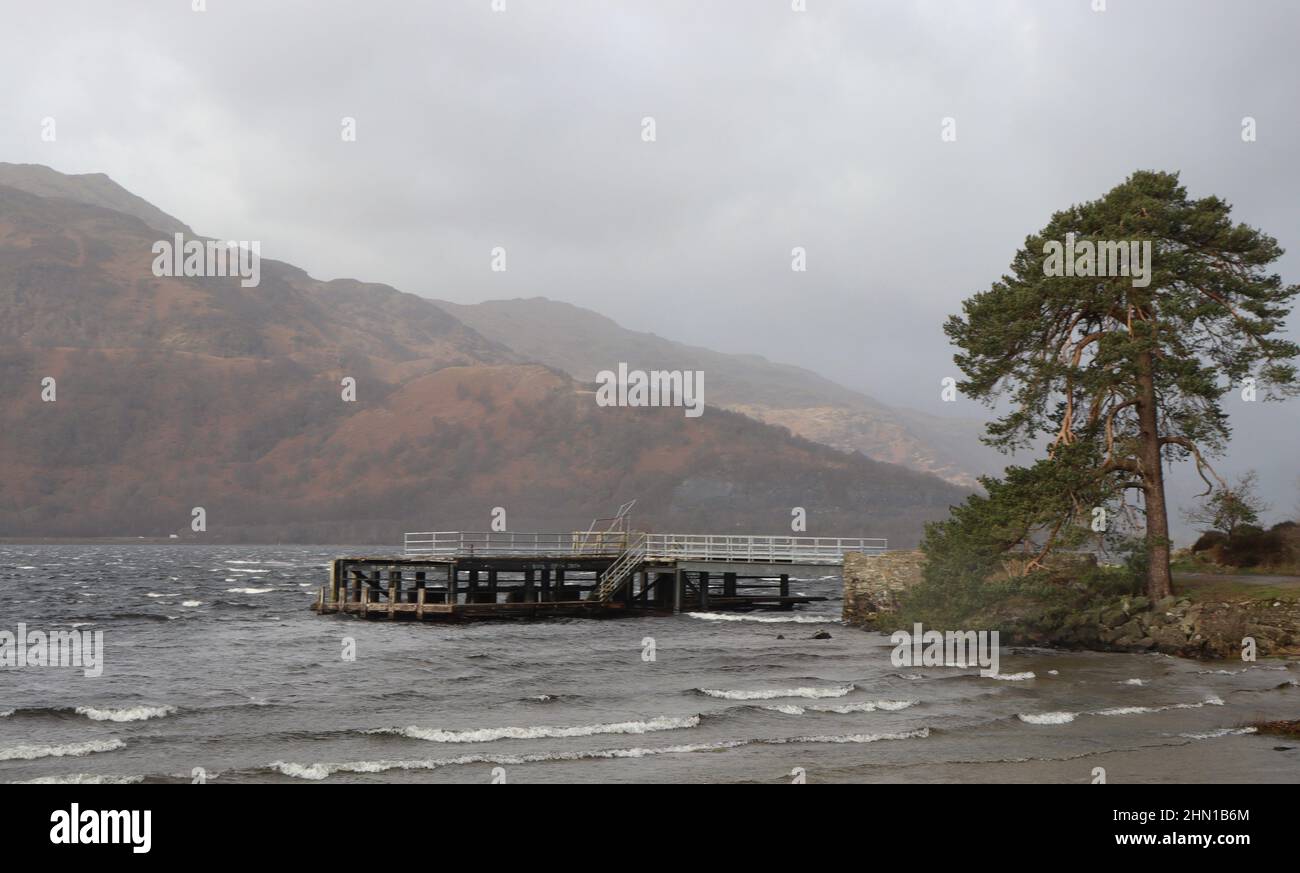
(1204,629)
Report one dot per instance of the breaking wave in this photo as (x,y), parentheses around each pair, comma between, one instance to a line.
(322,770)
(1067,717)
(766,619)
(844,708)
(74,750)
(775,693)
(84,779)
(1047,717)
(130,713)
(1221,732)
(487,735)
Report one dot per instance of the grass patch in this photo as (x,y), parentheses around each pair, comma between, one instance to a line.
(1194,565)
(1232,589)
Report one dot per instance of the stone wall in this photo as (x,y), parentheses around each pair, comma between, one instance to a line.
(872,582)
(1191,629)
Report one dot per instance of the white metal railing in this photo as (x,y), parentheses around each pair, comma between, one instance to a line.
(763,549)
(682,547)
(452,543)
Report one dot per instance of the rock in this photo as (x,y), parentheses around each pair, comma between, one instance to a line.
(780,636)
(1169,637)
(821,635)
(1113,617)
(1133,629)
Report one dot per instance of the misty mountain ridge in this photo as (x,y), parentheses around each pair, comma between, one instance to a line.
(176,392)
(582,343)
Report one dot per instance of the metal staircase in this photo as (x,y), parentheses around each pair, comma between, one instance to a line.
(622,569)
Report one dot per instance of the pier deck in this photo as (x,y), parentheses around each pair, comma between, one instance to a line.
(452,575)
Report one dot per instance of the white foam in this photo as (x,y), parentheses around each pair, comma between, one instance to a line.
(1133,682)
(1221,732)
(1141,710)
(31,753)
(84,779)
(319,771)
(247,590)
(487,735)
(922,733)
(191,602)
(1047,717)
(766,619)
(132,713)
(844,708)
(774,693)
(323,770)
(1013,677)
(5,713)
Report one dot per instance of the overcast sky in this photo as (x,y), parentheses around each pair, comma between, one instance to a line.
(774,129)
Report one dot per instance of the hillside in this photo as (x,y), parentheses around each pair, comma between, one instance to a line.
(581,343)
(174,393)
(94,189)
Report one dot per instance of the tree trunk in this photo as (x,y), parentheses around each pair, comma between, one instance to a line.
(1159,580)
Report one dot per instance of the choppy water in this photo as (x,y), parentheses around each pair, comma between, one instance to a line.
(213,661)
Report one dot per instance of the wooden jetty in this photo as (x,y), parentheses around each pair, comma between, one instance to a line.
(455,575)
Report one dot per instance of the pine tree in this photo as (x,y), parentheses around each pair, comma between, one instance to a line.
(1121,327)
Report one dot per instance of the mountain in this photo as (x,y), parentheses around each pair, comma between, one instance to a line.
(174,393)
(582,343)
(94,189)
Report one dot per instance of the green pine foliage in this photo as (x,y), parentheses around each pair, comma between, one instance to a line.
(1119,374)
